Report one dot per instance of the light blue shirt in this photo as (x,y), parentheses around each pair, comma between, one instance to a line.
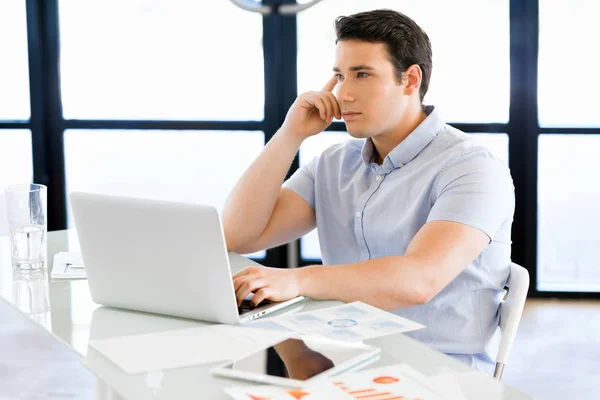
(366,211)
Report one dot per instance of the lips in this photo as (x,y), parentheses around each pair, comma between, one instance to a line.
(350,115)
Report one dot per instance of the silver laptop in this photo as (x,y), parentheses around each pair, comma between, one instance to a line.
(160,257)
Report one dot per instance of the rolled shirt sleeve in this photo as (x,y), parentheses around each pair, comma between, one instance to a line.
(476,190)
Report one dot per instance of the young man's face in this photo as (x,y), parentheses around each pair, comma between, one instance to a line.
(371,99)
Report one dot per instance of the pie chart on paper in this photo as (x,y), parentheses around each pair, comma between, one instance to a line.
(385,380)
(342,323)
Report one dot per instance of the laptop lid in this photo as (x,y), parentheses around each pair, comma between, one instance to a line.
(155,256)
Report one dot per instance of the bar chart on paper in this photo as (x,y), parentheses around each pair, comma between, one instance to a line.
(386,383)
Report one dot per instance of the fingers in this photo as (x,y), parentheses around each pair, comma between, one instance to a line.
(260,295)
(243,272)
(330,85)
(329,107)
(238,282)
(320,105)
(337,112)
(248,287)
(326,104)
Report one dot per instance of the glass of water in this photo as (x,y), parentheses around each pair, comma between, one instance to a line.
(26,208)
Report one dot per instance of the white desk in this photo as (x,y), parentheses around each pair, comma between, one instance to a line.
(65,309)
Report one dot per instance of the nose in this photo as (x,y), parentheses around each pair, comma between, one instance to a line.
(344,92)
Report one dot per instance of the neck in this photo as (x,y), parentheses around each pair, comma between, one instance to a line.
(387,141)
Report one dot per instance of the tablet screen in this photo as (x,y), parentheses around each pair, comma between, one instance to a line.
(302,359)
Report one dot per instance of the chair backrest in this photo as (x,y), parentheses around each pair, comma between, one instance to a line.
(511,310)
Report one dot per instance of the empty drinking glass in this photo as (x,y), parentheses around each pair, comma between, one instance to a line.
(26,208)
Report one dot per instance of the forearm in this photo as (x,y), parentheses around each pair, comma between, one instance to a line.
(252,200)
(387,283)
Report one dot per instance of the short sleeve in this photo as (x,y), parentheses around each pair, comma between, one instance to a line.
(303,182)
(476,190)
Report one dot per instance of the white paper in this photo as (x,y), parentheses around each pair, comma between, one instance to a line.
(353,322)
(393,382)
(67,265)
(467,385)
(184,347)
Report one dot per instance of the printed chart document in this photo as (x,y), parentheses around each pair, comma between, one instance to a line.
(67,265)
(352,322)
(386,383)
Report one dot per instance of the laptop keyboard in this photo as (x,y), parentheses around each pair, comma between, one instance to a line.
(248,306)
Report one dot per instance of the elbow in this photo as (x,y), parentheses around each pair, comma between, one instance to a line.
(406,298)
(232,242)
(418,295)
(237,239)
(237,244)
(416,298)
(426,292)
(424,296)
(231,245)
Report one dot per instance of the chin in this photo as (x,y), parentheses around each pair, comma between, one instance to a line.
(358,134)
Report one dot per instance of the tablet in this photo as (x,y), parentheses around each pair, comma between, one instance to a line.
(305,361)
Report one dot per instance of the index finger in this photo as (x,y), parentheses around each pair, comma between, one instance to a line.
(243,272)
(330,84)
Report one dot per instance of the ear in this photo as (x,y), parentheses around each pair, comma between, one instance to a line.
(412,79)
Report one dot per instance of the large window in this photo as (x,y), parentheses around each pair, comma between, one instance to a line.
(166,165)
(568,147)
(568,215)
(15,165)
(160,60)
(181,166)
(568,79)
(14,79)
(15,137)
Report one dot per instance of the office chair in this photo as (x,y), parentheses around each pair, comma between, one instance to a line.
(510,314)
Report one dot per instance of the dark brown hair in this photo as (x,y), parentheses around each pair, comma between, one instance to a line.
(406,42)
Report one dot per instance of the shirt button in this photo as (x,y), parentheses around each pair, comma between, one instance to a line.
(358,214)
(378,178)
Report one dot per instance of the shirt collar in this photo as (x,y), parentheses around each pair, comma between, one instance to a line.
(410,147)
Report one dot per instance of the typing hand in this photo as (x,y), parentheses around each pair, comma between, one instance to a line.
(272,284)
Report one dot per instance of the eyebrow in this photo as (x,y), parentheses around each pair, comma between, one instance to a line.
(356,68)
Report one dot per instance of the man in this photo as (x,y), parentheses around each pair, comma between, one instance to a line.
(414,217)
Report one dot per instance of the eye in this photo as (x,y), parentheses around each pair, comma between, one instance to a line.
(339,77)
(362,75)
